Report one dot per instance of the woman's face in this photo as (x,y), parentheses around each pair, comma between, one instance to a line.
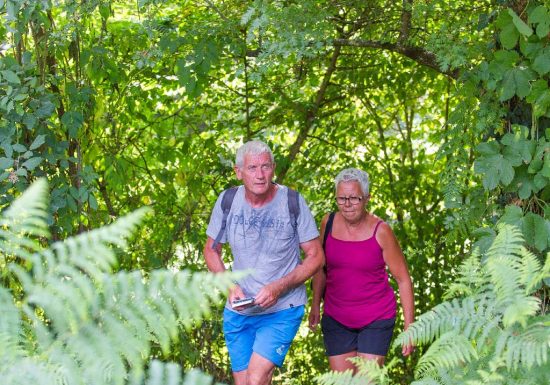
(350,200)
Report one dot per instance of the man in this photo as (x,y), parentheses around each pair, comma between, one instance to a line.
(266,240)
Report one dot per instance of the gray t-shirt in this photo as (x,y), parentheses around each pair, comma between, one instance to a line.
(264,241)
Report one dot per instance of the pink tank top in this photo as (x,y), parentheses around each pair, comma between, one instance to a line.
(357,288)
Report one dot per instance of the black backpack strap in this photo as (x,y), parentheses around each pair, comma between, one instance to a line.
(293,207)
(328,228)
(227,201)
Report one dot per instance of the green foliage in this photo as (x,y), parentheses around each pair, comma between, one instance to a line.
(70,319)
(493,327)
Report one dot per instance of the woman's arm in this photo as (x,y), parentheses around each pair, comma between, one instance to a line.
(318,286)
(394,258)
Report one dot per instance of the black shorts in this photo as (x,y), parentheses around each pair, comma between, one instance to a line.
(374,338)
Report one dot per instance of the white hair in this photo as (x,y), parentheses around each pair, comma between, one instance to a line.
(254,147)
(354,174)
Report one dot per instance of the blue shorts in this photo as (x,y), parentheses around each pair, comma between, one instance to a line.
(373,338)
(268,335)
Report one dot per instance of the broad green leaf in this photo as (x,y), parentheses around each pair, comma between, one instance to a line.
(32,163)
(517,149)
(5,163)
(10,76)
(541,64)
(513,215)
(30,121)
(508,86)
(540,181)
(19,148)
(506,58)
(8,149)
(21,172)
(494,169)
(72,120)
(92,201)
(488,148)
(38,141)
(539,15)
(523,183)
(522,27)
(546,167)
(509,36)
(522,78)
(535,231)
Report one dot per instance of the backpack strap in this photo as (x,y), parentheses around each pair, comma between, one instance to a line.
(293,207)
(227,201)
(328,228)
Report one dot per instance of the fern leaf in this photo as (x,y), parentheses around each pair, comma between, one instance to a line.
(448,351)
(528,347)
(470,278)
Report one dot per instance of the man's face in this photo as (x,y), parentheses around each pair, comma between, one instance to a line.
(256,173)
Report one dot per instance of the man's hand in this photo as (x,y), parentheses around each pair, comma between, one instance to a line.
(268,295)
(235,292)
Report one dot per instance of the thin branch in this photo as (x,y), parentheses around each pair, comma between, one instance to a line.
(419,55)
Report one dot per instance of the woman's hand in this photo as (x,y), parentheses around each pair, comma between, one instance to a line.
(407,350)
(314,318)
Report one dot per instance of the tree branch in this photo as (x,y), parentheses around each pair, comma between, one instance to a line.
(419,55)
(311,115)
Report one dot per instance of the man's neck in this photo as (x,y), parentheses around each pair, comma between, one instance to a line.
(257,201)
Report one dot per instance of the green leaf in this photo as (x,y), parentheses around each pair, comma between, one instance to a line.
(5,163)
(19,148)
(541,64)
(513,215)
(523,183)
(488,148)
(38,141)
(522,27)
(508,89)
(546,167)
(517,149)
(540,16)
(535,231)
(540,181)
(10,76)
(8,150)
(30,121)
(509,36)
(93,202)
(21,172)
(32,163)
(522,77)
(72,120)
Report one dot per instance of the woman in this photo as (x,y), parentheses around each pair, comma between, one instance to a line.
(359,304)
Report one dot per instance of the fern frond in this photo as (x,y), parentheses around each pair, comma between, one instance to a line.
(91,251)
(339,378)
(530,271)
(469,316)
(507,244)
(371,372)
(449,350)
(470,278)
(527,346)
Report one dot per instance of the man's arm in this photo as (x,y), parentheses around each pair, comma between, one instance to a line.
(214,262)
(213,257)
(314,258)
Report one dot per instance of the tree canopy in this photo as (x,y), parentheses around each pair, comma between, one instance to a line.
(126,104)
